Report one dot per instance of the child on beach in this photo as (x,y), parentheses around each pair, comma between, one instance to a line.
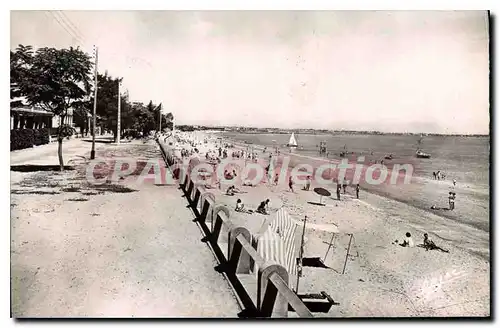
(239,206)
(357,191)
(408,241)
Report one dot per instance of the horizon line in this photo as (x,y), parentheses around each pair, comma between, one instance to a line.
(324,130)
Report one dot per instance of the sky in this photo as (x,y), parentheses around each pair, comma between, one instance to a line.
(401,71)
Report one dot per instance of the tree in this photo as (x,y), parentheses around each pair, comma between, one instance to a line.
(20,65)
(169,121)
(56,80)
(143,119)
(107,102)
(81,118)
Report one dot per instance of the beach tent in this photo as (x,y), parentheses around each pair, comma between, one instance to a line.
(276,241)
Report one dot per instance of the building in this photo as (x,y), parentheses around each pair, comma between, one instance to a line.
(36,118)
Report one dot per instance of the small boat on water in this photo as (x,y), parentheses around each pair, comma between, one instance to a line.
(421,154)
(292,143)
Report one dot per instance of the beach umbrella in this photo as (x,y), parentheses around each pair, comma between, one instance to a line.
(322,192)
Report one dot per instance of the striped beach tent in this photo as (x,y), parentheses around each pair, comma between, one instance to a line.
(277,241)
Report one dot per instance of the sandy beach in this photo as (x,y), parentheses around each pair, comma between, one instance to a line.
(381,278)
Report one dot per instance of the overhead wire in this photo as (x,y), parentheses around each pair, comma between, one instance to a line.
(72,26)
(73,36)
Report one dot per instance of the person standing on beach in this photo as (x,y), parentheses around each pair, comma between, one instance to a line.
(454,182)
(357,191)
(338,191)
(344,185)
(290,184)
(451,200)
(308,183)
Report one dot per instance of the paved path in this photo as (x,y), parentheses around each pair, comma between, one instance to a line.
(135,254)
(44,154)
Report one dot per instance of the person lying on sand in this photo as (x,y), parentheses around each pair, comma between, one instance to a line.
(263,207)
(430,245)
(230,191)
(248,183)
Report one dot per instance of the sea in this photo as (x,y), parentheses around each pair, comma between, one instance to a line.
(464,158)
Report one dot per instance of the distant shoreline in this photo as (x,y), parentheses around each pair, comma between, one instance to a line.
(321,132)
(367,133)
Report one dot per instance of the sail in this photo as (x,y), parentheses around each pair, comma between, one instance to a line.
(293,141)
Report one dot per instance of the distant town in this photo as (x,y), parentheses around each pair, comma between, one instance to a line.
(256,130)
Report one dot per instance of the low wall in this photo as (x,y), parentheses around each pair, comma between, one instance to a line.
(264,293)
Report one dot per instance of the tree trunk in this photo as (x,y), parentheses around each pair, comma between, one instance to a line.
(60,138)
(59,153)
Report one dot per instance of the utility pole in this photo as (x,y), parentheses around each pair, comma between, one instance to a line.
(159,111)
(118,124)
(92,152)
(301,255)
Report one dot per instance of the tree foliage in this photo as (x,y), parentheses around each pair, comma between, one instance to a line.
(59,79)
(53,79)
(20,65)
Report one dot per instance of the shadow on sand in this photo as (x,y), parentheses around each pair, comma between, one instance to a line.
(100,140)
(38,168)
(316,203)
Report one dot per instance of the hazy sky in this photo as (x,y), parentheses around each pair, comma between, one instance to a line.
(389,71)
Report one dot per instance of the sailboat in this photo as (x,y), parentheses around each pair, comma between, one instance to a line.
(292,143)
(419,153)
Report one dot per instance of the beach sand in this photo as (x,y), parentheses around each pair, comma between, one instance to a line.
(381,278)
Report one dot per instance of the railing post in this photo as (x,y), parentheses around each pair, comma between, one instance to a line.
(190,186)
(239,262)
(275,306)
(217,227)
(205,205)
(197,193)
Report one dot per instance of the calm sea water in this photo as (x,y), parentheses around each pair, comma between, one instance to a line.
(463,158)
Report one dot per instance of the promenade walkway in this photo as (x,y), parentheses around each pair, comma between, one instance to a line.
(132,252)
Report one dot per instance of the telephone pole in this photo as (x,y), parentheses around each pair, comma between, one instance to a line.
(92,152)
(159,110)
(118,125)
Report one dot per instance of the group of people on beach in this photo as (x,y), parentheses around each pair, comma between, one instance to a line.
(438,175)
(428,244)
(263,207)
(245,155)
(451,202)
